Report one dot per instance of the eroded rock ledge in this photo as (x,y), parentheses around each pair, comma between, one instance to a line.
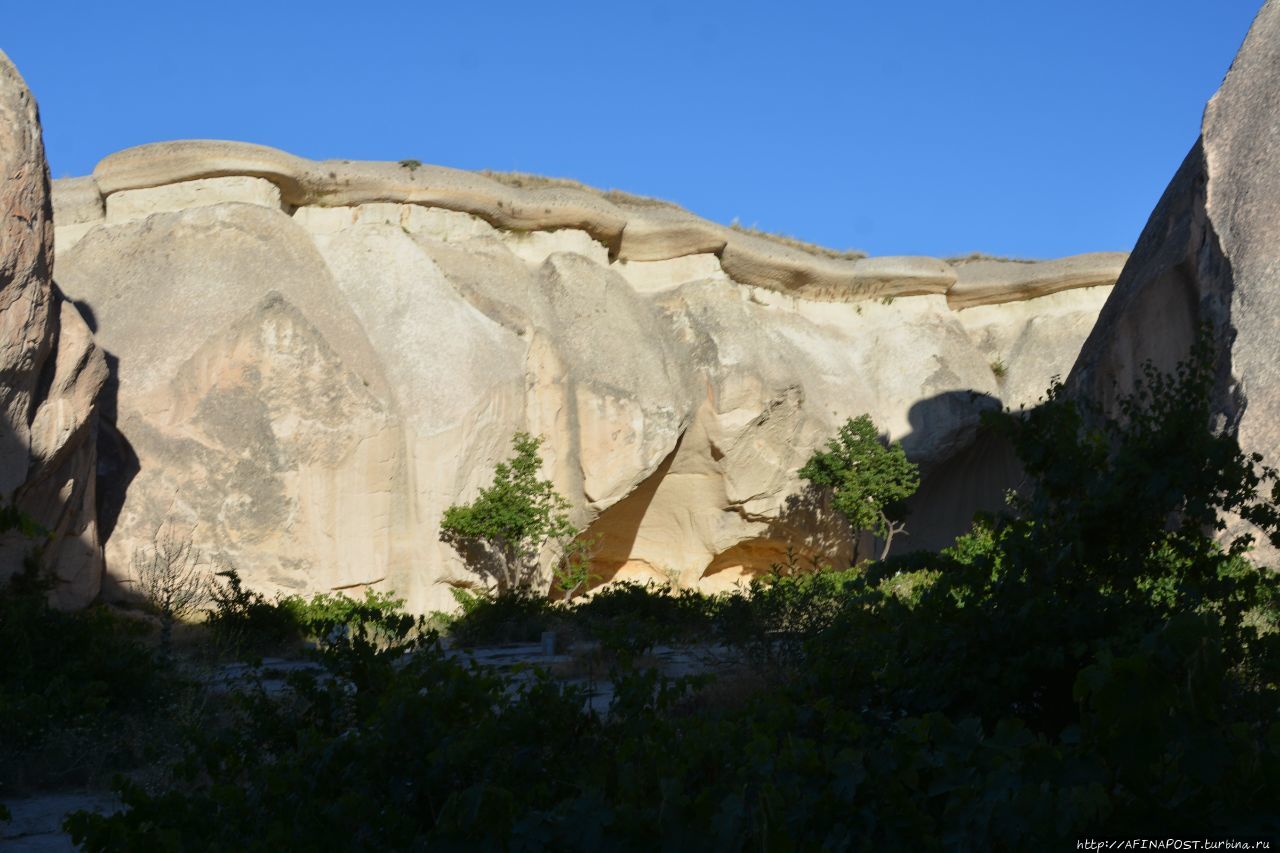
(177,175)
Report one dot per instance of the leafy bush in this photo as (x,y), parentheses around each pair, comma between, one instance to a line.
(682,613)
(367,630)
(365,764)
(248,624)
(62,669)
(572,572)
(71,686)
(518,616)
(629,619)
(325,614)
(631,615)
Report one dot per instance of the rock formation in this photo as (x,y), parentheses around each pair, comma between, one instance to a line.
(312,360)
(51,370)
(1210,256)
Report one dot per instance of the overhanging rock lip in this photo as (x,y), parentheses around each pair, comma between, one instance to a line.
(631,232)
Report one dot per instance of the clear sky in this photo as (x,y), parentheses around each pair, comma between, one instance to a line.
(1031,128)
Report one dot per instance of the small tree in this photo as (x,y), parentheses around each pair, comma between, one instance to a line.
(169,578)
(513,519)
(573,571)
(869,478)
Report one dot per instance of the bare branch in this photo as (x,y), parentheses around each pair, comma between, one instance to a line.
(169,577)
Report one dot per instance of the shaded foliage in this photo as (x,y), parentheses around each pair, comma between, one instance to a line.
(247,624)
(516,617)
(76,689)
(1090,663)
(61,669)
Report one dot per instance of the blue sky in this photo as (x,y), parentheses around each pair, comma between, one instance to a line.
(1030,128)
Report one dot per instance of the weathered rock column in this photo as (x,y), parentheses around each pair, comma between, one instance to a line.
(50,371)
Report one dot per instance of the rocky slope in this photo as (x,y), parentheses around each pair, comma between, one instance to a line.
(50,370)
(312,360)
(1209,257)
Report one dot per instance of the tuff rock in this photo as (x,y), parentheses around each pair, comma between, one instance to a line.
(50,372)
(1209,259)
(312,360)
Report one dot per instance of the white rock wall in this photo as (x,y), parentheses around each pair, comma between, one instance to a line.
(314,360)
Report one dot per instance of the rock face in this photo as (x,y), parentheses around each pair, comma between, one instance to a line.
(313,360)
(51,371)
(1210,256)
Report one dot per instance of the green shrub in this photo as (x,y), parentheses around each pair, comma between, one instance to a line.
(246,623)
(572,572)
(504,531)
(681,613)
(335,620)
(62,669)
(910,587)
(517,616)
(324,613)
(80,693)
(629,619)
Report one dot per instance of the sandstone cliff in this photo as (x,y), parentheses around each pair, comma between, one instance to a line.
(50,370)
(313,359)
(1210,256)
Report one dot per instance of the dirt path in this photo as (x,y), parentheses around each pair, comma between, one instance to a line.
(37,821)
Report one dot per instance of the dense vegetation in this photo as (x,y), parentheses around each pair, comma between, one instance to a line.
(74,689)
(1088,663)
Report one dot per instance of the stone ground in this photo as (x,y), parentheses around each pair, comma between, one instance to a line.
(576,669)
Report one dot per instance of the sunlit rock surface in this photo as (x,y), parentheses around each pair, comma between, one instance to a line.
(314,359)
